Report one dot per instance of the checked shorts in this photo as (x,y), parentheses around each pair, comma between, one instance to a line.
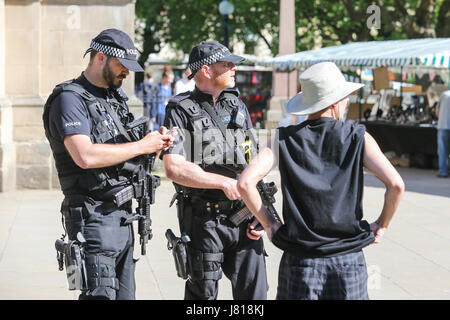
(341,277)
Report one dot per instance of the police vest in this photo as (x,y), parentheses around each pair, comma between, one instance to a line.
(104,130)
(203,123)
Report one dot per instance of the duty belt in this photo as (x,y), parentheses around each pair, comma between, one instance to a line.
(214,205)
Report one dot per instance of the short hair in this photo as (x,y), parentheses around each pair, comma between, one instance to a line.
(93,53)
(149,74)
(166,74)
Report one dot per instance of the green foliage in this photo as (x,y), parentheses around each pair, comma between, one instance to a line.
(319,23)
(325,23)
(183,24)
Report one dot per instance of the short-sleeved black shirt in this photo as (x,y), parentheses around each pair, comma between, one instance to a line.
(321,170)
(184,143)
(69,115)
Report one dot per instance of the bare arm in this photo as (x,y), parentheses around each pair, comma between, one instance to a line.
(375,161)
(89,155)
(188,174)
(255,172)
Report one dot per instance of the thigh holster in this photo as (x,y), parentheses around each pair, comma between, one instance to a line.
(204,266)
(101,272)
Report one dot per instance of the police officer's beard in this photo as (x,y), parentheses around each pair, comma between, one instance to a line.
(223,81)
(110,78)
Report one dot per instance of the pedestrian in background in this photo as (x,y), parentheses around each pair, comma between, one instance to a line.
(443,133)
(149,93)
(165,93)
(184,84)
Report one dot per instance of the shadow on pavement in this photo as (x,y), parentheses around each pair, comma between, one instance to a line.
(416,180)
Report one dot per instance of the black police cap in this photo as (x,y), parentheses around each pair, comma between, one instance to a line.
(210,52)
(118,44)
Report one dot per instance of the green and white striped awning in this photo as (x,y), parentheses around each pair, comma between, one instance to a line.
(427,53)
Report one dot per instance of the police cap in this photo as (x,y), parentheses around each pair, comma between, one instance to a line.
(118,44)
(210,52)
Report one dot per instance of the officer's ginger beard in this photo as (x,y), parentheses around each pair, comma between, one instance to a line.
(215,78)
(105,71)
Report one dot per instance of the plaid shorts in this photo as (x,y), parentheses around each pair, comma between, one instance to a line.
(342,277)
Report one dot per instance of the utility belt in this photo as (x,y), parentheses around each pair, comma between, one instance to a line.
(114,197)
(233,210)
(72,206)
(215,206)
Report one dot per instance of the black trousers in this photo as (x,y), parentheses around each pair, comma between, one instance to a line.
(110,266)
(216,247)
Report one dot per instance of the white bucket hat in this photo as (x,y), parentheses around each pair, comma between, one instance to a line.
(322,85)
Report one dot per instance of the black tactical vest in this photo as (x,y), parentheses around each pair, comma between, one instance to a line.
(207,152)
(104,115)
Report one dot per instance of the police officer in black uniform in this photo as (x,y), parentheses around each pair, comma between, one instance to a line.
(85,121)
(203,167)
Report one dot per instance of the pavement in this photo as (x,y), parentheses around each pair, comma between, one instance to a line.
(412,262)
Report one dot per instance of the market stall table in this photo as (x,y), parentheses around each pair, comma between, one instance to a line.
(420,142)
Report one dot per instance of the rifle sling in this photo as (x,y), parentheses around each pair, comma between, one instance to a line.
(117,121)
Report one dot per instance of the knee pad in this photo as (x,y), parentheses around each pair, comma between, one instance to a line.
(101,272)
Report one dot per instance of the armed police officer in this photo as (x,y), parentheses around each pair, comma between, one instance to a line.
(204,169)
(87,123)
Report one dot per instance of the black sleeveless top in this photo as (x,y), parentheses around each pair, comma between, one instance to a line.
(321,167)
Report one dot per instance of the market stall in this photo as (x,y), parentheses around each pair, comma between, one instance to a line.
(400,116)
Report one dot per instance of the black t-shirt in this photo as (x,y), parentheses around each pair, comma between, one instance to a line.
(321,168)
(69,115)
(187,144)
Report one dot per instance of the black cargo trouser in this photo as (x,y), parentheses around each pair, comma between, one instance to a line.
(217,245)
(109,251)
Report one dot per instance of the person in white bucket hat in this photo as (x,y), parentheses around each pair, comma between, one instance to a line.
(323,85)
(321,167)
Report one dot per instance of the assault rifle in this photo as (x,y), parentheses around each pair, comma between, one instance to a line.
(266,191)
(143,184)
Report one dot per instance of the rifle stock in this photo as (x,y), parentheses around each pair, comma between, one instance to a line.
(266,191)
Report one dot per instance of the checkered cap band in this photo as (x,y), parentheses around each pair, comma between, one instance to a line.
(194,66)
(108,50)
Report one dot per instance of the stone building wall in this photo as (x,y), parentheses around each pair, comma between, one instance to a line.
(42,44)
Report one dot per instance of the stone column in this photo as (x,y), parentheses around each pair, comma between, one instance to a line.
(7,146)
(42,44)
(24,87)
(284,84)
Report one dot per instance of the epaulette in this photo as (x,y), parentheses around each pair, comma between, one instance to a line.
(234,91)
(74,87)
(180,97)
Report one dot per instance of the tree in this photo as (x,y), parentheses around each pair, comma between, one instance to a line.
(183,24)
(325,23)
(150,22)
(319,23)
